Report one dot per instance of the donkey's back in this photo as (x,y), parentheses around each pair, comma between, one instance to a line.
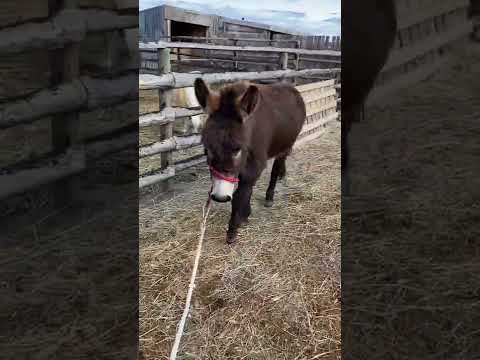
(278,118)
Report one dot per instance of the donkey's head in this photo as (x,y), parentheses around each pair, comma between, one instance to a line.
(224,135)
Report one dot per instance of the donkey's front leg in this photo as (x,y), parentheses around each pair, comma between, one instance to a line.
(240,209)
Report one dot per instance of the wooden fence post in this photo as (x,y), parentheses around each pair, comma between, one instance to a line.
(65,126)
(235,56)
(297,65)
(284,61)
(165,98)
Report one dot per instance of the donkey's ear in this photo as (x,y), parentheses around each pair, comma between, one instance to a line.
(249,100)
(201,92)
(208,100)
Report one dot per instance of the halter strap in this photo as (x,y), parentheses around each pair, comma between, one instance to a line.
(220,175)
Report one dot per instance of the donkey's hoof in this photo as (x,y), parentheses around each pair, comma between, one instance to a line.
(268,203)
(231,238)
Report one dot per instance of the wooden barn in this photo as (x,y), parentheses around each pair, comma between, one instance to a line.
(168,22)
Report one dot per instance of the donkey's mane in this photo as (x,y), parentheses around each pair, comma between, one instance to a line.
(230,94)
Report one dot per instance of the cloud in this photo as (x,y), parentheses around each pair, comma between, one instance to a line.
(308,16)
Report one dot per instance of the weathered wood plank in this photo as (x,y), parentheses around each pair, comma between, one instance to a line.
(126,4)
(323,121)
(187,16)
(223,37)
(311,110)
(20,181)
(24,74)
(107,119)
(170,172)
(318,94)
(66,27)
(99,4)
(166,115)
(404,55)
(183,45)
(380,92)
(170,144)
(82,93)
(105,52)
(25,142)
(179,80)
(315,85)
(214,62)
(408,18)
(14,12)
(99,149)
(160,176)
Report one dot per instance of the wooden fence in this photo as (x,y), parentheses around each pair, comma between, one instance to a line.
(426,32)
(294,41)
(56,93)
(320,98)
(211,57)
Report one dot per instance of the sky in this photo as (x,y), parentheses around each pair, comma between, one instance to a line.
(315,17)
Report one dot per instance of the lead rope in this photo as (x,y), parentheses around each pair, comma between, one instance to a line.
(181,324)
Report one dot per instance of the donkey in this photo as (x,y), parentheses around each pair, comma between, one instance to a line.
(369,28)
(247,124)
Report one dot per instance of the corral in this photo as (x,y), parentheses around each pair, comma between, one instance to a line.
(293,303)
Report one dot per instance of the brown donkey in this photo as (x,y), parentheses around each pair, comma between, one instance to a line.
(247,125)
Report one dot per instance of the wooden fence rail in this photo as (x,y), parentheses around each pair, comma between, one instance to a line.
(82,93)
(69,26)
(233,39)
(248,57)
(181,80)
(151,46)
(165,116)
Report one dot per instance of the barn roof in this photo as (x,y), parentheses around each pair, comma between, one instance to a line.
(195,17)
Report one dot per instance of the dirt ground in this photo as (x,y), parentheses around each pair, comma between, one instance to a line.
(273,295)
(410,253)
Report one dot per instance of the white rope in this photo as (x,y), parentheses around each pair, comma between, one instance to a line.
(181,324)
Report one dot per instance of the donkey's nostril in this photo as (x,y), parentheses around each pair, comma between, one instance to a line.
(221,199)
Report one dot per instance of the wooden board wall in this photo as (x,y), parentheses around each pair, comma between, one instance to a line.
(424,39)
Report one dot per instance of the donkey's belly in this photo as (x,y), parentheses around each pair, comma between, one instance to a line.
(282,142)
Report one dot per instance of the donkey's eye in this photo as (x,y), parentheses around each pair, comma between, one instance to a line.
(237,153)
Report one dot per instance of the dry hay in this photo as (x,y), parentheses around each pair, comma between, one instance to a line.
(65,288)
(410,291)
(275,294)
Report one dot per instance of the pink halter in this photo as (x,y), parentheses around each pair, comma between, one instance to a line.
(221,176)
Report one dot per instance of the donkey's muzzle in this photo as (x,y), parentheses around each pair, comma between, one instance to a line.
(223,186)
(222,191)
(221,199)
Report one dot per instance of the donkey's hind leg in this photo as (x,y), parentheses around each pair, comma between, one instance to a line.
(278,172)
